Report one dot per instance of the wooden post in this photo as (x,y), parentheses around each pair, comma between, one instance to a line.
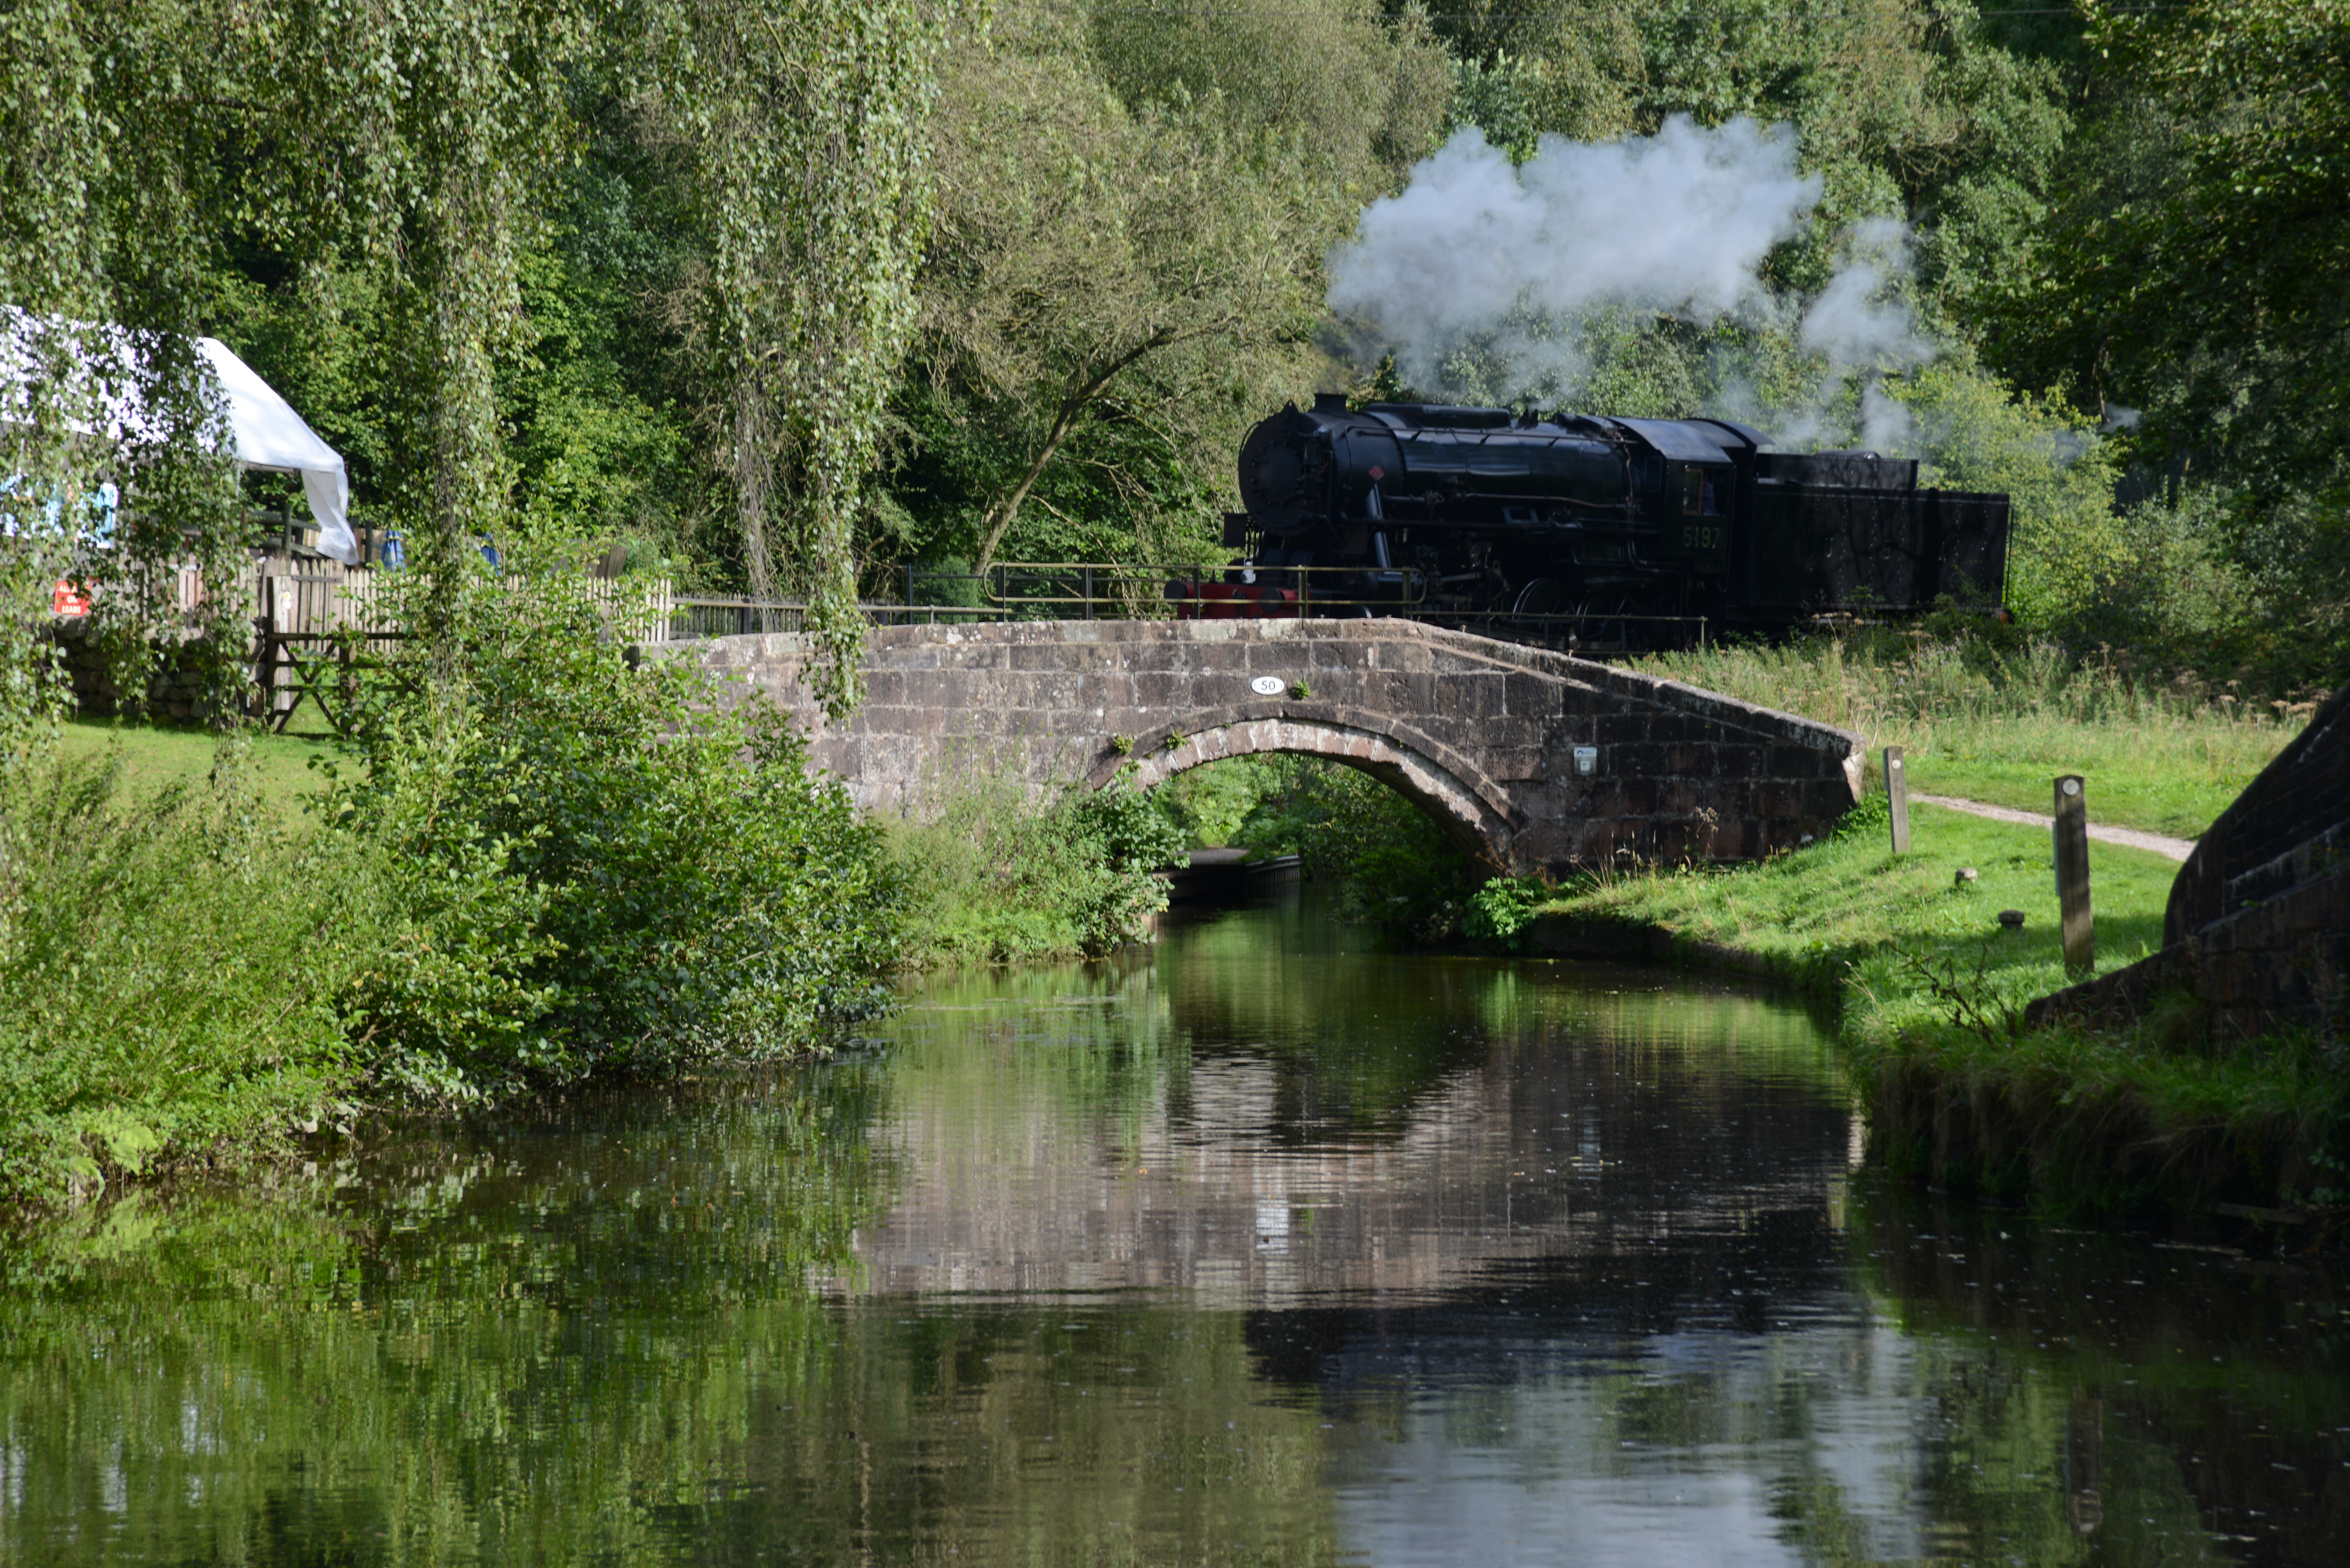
(265,663)
(2072,873)
(1897,797)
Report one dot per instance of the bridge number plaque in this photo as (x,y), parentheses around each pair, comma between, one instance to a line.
(1268,685)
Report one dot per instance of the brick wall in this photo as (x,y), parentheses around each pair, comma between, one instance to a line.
(2289,824)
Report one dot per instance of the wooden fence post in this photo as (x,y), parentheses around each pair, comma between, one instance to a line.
(1897,797)
(2079,929)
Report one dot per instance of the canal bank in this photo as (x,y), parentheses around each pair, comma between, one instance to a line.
(2140,1116)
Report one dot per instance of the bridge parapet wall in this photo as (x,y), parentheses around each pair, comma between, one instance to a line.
(1484,734)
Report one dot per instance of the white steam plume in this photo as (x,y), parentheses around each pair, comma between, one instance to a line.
(1508,264)
(1849,323)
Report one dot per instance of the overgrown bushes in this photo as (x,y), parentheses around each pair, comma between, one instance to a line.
(171,972)
(615,868)
(995,878)
(541,863)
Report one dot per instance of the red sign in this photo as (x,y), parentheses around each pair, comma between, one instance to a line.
(69,599)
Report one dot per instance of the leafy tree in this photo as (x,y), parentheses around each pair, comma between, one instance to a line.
(602,867)
(1132,219)
(106,184)
(2193,270)
(802,130)
(1568,67)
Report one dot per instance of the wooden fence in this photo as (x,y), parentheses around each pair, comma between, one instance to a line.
(315,621)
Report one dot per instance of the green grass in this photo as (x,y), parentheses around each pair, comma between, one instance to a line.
(2140,1122)
(155,755)
(2175,779)
(1999,724)
(1849,913)
(169,966)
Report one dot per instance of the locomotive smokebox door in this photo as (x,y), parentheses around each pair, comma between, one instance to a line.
(1701,522)
(1285,473)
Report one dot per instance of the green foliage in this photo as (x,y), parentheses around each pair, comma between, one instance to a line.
(1394,865)
(1906,109)
(2191,268)
(169,967)
(1973,433)
(449,1010)
(392,204)
(1209,804)
(807,155)
(1133,210)
(107,216)
(2069,1118)
(1502,910)
(615,871)
(997,878)
(1870,820)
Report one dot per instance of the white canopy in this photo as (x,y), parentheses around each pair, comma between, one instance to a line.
(271,438)
(263,432)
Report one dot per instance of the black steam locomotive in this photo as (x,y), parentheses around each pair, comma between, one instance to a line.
(1602,531)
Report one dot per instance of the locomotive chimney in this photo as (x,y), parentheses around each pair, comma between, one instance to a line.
(1329,402)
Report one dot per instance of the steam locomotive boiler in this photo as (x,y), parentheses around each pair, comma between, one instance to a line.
(1612,532)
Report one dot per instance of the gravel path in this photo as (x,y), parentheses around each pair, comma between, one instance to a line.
(2159,843)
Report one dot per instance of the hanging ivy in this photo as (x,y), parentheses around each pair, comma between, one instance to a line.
(807,129)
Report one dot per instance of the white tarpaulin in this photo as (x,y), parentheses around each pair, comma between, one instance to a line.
(271,437)
(263,432)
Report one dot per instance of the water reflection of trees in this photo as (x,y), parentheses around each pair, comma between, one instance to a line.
(1594,1248)
(2172,1386)
(507,1344)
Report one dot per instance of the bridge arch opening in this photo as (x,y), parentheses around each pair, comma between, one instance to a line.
(1472,814)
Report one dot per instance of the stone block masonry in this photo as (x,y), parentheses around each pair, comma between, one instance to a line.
(1535,762)
(175,684)
(2257,932)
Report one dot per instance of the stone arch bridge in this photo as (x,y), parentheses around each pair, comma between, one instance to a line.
(1535,761)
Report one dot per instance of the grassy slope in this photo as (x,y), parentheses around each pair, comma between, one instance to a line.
(2167,783)
(2001,726)
(1846,911)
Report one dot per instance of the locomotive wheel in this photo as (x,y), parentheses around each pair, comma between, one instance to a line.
(1543,596)
(1600,626)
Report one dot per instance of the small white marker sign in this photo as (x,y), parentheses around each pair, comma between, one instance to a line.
(1266,685)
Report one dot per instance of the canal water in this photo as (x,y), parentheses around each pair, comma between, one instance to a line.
(1262,1247)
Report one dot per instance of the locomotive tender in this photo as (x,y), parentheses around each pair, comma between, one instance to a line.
(1584,528)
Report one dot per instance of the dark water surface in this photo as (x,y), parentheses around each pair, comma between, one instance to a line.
(1265,1247)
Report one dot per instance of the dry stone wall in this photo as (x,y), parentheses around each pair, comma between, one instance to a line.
(1537,761)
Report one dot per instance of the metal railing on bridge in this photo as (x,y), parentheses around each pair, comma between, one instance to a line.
(1115,590)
